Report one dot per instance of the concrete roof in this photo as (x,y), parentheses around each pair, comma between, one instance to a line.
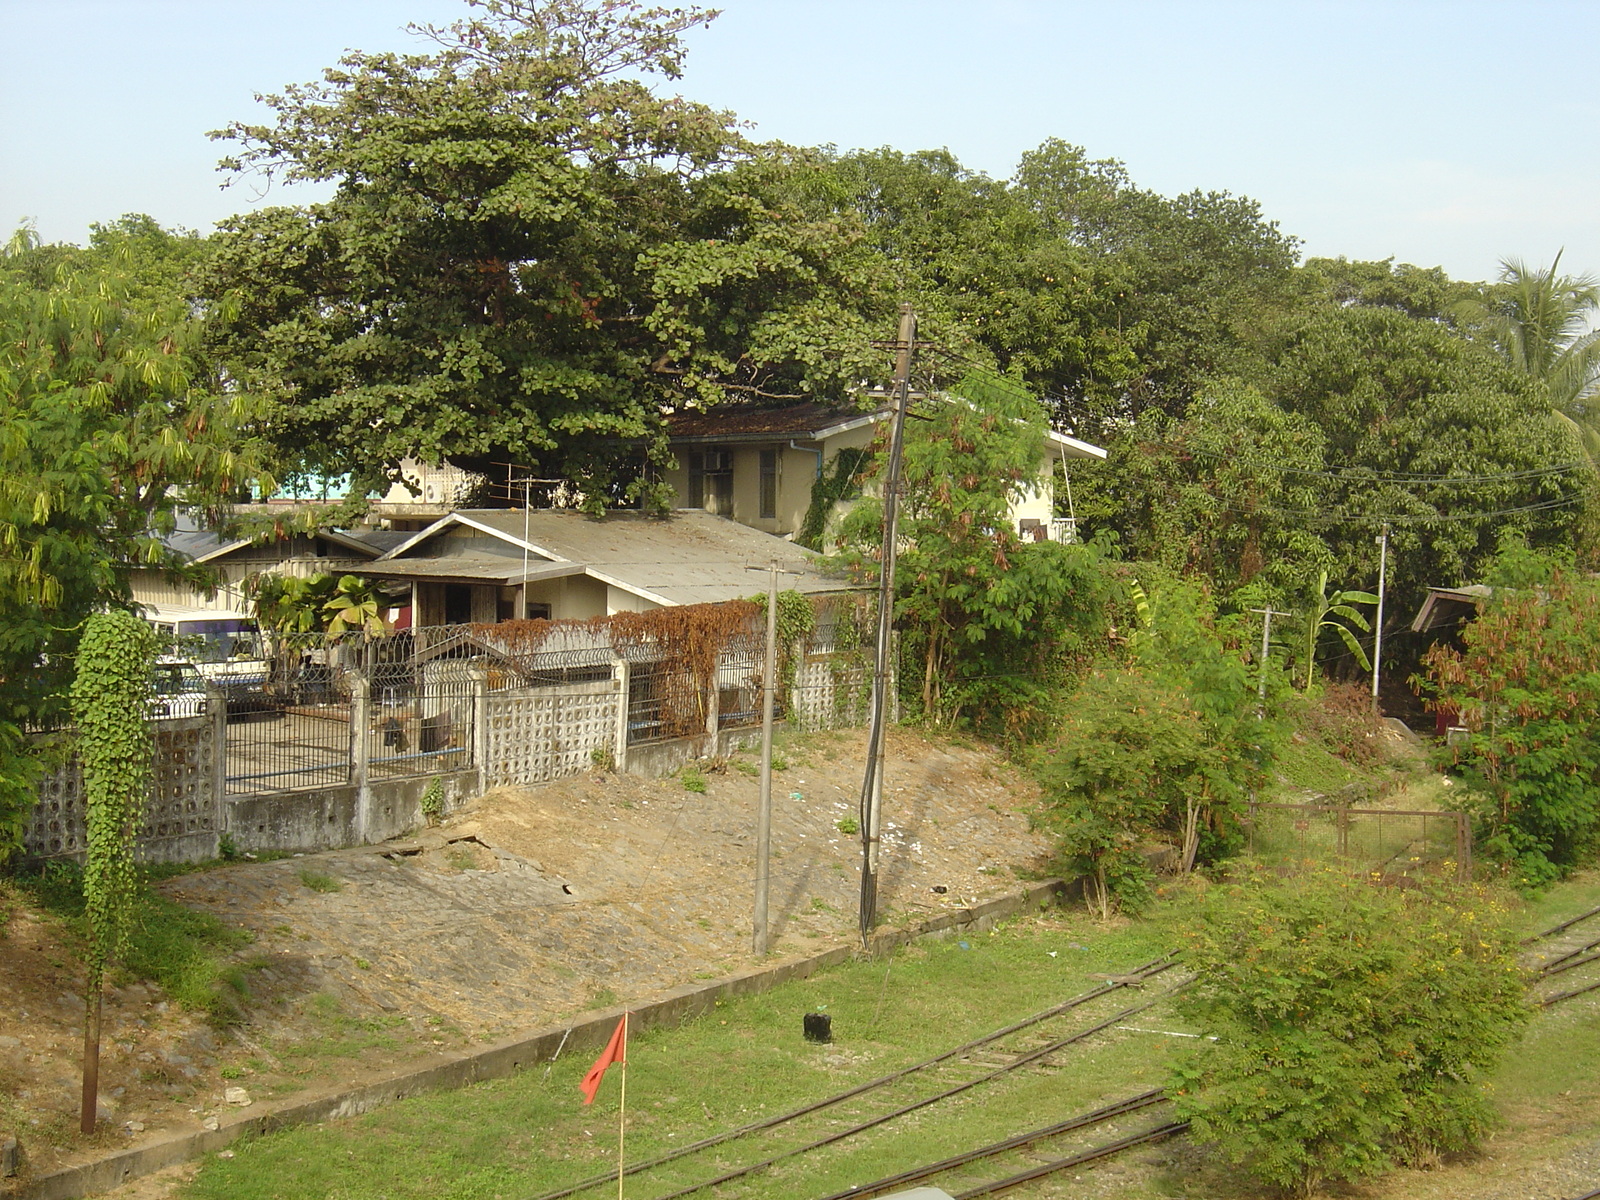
(690,557)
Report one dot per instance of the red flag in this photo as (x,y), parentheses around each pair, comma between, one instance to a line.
(616,1051)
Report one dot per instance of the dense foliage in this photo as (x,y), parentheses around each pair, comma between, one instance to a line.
(112,423)
(1526,682)
(1161,745)
(993,624)
(527,256)
(1353,1025)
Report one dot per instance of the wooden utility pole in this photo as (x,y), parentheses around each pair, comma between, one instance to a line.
(872,783)
(769,690)
(1377,626)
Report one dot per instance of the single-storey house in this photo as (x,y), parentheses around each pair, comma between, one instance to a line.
(329,551)
(483,566)
(757,465)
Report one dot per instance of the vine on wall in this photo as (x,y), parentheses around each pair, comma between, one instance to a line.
(110,696)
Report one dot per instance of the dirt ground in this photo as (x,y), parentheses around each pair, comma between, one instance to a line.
(526,906)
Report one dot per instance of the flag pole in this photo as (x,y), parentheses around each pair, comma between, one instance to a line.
(622,1105)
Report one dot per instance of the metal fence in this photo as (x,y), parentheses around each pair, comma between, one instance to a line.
(1386,841)
(295,730)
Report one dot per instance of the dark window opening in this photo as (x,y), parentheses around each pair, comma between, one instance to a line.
(458,604)
(711,481)
(769,483)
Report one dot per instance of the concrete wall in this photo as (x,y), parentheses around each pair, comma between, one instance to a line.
(333,818)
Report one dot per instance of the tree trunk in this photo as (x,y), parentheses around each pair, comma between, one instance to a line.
(91,1056)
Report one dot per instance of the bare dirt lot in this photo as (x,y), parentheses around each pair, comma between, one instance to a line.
(528,905)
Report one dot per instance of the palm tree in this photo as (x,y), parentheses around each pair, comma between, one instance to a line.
(1539,320)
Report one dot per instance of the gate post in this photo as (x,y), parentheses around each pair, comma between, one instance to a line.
(622,674)
(360,716)
(218,709)
(480,723)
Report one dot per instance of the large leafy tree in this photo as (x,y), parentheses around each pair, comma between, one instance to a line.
(1364,404)
(993,624)
(111,424)
(529,253)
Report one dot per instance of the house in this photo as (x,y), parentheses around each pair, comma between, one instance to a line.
(329,551)
(482,566)
(1449,608)
(757,465)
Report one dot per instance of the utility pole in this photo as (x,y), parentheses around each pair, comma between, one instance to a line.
(1266,645)
(872,784)
(1377,626)
(769,679)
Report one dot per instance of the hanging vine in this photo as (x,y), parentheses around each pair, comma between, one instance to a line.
(796,621)
(110,695)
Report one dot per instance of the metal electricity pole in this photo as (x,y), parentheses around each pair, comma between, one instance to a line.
(872,783)
(1377,626)
(769,678)
(1266,646)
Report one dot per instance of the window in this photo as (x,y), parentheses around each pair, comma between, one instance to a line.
(769,483)
(711,481)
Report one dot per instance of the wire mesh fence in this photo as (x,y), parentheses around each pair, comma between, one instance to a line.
(1388,842)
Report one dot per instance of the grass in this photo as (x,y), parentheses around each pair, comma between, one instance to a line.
(320,881)
(528,1133)
(187,953)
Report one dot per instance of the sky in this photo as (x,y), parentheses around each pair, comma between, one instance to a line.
(1440,134)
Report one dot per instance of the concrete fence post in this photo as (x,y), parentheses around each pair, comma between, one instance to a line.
(621,672)
(360,717)
(480,723)
(218,710)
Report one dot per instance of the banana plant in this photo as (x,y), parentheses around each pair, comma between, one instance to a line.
(355,604)
(1329,610)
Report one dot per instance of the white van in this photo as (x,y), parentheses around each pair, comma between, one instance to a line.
(225,647)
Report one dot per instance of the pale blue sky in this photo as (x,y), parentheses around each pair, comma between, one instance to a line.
(1440,134)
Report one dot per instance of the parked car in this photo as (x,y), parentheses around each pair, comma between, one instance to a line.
(225,647)
(177,689)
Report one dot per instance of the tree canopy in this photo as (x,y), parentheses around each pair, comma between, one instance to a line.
(528,255)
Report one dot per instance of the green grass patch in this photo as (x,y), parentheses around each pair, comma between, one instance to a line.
(518,1136)
(1304,765)
(321,881)
(186,952)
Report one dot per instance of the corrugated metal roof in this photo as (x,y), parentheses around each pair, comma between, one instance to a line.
(812,422)
(690,557)
(741,421)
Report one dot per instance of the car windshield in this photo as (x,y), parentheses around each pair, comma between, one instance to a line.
(221,640)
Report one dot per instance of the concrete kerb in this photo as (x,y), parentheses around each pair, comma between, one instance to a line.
(504,1058)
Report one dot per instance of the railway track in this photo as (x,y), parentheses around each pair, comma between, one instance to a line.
(1024,1141)
(1571,957)
(874,1092)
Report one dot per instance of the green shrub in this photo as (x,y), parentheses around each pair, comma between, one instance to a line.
(433,800)
(1165,747)
(185,951)
(693,779)
(1353,1024)
(1526,682)
(320,881)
